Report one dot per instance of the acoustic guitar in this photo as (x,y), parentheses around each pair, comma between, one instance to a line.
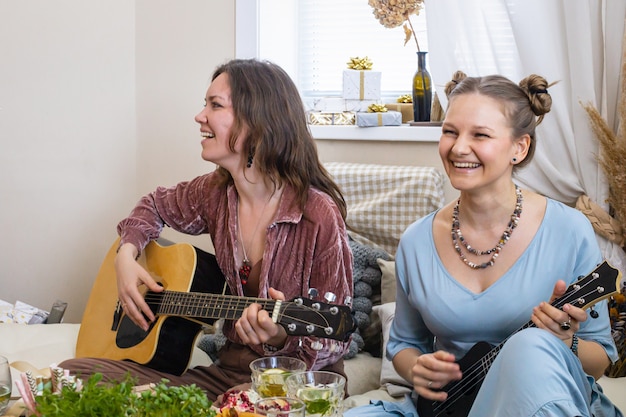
(603,282)
(193,295)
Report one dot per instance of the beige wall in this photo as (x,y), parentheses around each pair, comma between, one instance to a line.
(179,44)
(67,133)
(97,101)
(96,107)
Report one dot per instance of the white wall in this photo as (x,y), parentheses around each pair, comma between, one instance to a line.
(96,107)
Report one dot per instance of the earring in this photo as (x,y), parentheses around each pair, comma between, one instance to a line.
(514,160)
(250,158)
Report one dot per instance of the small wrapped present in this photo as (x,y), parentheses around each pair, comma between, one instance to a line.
(361,84)
(358,105)
(331,118)
(329,104)
(389,118)
(405,108)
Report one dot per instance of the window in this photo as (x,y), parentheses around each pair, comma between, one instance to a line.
(313,39)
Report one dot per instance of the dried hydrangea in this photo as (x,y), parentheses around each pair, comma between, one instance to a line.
(394,13)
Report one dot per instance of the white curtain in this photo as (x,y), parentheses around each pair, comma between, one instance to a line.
(575,42)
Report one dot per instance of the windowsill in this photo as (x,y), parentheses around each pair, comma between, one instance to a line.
(406,133)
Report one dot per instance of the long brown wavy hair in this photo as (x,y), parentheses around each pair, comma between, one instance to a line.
(268,105)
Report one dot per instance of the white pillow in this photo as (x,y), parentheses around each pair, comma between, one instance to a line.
(389,378)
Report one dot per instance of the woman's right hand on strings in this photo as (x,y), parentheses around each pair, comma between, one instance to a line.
(432,371)
(130,276)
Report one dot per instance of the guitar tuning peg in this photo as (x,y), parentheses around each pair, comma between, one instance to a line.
(313,293)
(348,301)
(330,297)
(316,345)
(593,313)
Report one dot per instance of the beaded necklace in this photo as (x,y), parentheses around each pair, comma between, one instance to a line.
(457,236)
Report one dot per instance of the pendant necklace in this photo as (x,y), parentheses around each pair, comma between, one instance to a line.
(246,266)
(457,236)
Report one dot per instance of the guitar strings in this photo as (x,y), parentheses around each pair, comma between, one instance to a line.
(478,369)
(204,305)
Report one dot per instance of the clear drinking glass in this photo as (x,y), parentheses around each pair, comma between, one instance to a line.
(279,407)
(322,392)
(269,374)
(5,384)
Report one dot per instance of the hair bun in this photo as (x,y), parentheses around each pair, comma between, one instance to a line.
(536,87)
(457,77)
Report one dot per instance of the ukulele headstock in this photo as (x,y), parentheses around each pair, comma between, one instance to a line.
(601,283)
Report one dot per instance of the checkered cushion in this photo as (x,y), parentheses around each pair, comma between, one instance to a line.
(383,200)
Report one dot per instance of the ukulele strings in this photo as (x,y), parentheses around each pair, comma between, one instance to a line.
(196,304)
(475,373)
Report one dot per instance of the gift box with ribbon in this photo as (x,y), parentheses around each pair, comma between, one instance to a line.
(328,104)
(331,118)
(405,108)
(372,119)
(404,104)
(359,81)
(361,85)
(358,105)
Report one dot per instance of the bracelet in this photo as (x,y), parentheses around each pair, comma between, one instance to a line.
(574,346)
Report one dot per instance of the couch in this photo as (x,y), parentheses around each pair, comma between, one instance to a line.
(382,202)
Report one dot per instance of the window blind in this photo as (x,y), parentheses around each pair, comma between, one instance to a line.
(332,31)
(314,39)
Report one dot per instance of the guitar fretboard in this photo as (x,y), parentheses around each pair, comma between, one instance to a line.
(202,305)
(583,293)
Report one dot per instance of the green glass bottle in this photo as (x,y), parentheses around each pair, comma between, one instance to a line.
(422,91)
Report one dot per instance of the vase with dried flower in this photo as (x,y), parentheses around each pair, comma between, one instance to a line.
(391,14)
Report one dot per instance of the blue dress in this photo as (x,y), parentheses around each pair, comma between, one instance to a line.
(535,373)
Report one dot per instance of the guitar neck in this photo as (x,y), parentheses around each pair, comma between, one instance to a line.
(601,283)
(203,305)
(598,285)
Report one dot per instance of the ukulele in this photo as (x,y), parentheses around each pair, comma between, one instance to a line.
(603,282)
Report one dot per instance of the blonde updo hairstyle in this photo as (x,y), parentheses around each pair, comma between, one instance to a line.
(524,104)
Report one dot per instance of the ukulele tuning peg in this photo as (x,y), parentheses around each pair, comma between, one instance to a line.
(348,301)
(330,297)
(593,313)
(313,293)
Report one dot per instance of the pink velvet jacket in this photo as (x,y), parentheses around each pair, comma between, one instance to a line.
(304,249)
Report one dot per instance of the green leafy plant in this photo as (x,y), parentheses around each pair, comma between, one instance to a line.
(111,399)
(165,401)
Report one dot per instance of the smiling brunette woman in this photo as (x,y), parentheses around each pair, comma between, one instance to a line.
(273,213)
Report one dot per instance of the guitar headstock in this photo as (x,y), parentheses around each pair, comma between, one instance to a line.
(601,283)
(306,317)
